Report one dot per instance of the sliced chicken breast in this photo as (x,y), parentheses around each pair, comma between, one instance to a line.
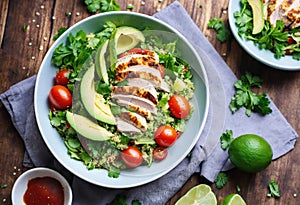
(137,91)
(138,101)
(135,119)
(126,127)
(136,108)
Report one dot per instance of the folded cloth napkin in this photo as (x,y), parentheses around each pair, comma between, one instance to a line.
(18,100)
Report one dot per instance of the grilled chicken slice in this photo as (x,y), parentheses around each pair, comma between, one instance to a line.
(138,109)
(136,59)
(137,91)
(126,127)
(294,16)
(135,119)
(138,101)
(286,10)
(142,84)
(150,74)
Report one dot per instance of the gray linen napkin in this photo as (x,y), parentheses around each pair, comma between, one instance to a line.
(19,102)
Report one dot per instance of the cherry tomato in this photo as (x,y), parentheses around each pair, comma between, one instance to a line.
(160,153)
(179,106)
(132,157)
(60,97)
(165,135)
(62,77)
(290,40)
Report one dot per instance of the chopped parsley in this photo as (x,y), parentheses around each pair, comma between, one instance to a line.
(274,189)
(102,5)
(221,180)
(226,139)
(222,32)
(121,200)
(245,97)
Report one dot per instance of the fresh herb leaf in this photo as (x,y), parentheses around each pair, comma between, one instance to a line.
(102,5)
(104,89)
(221,180)
(274,189)
(226,139)
(60,31)
(25,27)
(3,186)
(113,172)
(244,97)
(136,202)
(222,32)
(129,7)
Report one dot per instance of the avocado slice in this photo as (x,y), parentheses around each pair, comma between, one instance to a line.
(87,128)
(258,15)
(127,38)
(100,62)
(94,102)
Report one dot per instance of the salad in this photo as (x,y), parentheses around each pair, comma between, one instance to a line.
(121,97)
(271,25)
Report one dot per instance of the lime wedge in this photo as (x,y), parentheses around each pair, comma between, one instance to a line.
(233,199)
(198,195)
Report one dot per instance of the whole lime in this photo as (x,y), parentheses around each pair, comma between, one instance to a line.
(250,153)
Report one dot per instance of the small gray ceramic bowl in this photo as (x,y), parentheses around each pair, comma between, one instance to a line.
(20,186)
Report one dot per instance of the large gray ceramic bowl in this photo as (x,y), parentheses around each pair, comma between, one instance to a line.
(177,152)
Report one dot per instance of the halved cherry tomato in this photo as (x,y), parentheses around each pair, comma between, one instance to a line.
(132,157)
(62,77)
(160,153)
(165,135)
(60,97)
(179,106)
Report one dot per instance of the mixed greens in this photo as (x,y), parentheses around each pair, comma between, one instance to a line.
(276,38)
(77,55)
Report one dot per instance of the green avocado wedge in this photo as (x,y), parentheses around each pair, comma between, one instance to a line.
(100,62)
(127,38)
(87,128)
(94,102)
(258,15)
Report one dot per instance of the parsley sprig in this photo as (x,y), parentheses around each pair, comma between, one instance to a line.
(102,5)
(221,180)
(222,32)
(274,38)
(245,97)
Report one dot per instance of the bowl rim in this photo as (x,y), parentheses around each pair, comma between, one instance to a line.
(40,172)
(204,79)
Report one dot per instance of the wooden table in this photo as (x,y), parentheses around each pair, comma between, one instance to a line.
(22,52)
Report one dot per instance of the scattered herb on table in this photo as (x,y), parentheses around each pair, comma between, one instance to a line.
(274,189)
(273,38)
(25,27)
(244,97)
(102,5)
(3,186)
(222,32)
(130,7)
(221,180)
(226,139)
